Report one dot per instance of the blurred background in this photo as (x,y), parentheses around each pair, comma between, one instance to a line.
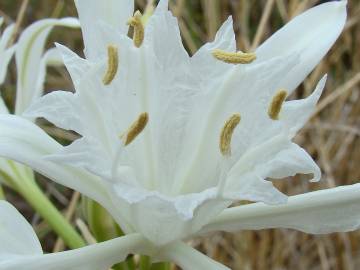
(331,137)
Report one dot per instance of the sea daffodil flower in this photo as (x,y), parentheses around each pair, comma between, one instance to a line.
(169,141)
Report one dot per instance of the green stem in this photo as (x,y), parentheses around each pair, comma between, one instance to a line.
(103,227)
(161,266)
(2,194)
(42,205)
(145,262)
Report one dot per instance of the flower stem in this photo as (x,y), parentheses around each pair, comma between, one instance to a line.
(104,228)
(42,205)
(161,266)
(2,194)
(145,262)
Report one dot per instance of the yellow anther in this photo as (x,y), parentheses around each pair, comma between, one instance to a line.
(276,103)
(227,132)
(112,66)
(138,26)
(136,128)
(234,57)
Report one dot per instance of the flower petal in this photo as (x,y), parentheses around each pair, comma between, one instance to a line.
(5,37)
(310,34)
(296,113)
(17,237)
(290,161)
(325,211)
(20,248)
(5,53)
(162,35)
(189,258)
(28,58)
(247,90)
(86,154)
(75,65)
(204,63)
(92,12)
(99,256)
(58,107)
(163,219)
(26,143)
(51,57)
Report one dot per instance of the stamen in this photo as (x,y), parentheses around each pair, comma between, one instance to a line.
(112,66)
(234,57)
(276,104)
(136,128)
(136,22)
(227,132)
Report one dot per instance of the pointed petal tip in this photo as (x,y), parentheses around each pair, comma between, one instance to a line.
(163,5)
(342,3)
(316,175)
(315,96)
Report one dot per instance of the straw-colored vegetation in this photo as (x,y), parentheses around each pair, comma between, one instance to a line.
(332,135)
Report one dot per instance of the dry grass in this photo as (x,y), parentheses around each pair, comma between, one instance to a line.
(332,136)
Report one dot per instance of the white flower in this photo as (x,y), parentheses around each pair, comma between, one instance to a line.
(170,141)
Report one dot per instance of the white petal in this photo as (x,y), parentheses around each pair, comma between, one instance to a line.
(225,40)
(95,257)
(85,154)
(210,72)
(17,237)
(75,65)
(246,89)
(162,35)
(163,219)
(311,34)
(296,113)
(28,58)
(5,59)
(58,107)
(189,258)
(326,211)
(167,87)
(252,187)
(289,162)
(91,12)
(6,53)
(9,170)
(5,37)
(51,57)
(26,143)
